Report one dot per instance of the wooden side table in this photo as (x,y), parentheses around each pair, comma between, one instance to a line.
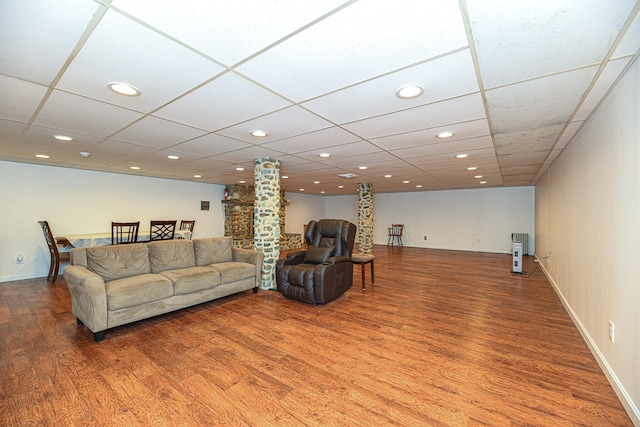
(364,259)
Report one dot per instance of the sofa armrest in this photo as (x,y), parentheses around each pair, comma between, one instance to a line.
(251,257)
(88,297)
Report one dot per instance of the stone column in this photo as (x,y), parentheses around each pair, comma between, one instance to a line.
(266,217)
(365,218)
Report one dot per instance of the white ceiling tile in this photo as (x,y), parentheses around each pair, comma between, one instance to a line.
(603,84)
(210,145)
(442,78)
(77,114)
(523,39)
(280,124)
(538,103)
(253,152)
(10,131)
(120,149)
(463,130)
(366,39)
(121,50)
(360,147)
(527,140)
(19,99)
(226,101)
(323,138)
(227,31)
(31,33)
(154,132)
(462,109)
(631,40)
(451,147)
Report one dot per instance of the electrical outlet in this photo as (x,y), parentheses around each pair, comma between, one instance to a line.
(425,237)
(612,332)
(19,259)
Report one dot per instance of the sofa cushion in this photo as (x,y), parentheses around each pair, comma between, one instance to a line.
(317,254)
(213,250)
(136,290)
(171,255)
(233,271)
(118,261)
(192,279)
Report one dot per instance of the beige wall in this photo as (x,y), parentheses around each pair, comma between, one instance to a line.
(588,220)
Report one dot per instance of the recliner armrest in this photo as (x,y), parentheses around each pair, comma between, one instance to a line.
(338,259)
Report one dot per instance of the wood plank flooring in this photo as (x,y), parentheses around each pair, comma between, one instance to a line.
(443,338)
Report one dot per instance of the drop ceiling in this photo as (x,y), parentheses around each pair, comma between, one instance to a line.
(513,80)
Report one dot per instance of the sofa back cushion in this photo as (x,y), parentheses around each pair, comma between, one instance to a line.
(213,250)
(171,255)
(118,261)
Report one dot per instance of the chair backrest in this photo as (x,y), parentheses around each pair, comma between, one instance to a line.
(162,230)
(332,232)
(48,236)
(396,229)
(187,224)
(124,232)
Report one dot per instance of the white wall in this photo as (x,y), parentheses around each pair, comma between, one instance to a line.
(302,209)
(588,220)
(471,220)
(78,201)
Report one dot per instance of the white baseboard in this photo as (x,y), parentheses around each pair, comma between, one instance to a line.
(628,404)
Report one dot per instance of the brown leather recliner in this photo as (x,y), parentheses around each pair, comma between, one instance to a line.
(324,271)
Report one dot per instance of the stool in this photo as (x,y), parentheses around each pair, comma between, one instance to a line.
(364,259)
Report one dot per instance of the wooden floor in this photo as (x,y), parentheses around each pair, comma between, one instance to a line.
(443,339)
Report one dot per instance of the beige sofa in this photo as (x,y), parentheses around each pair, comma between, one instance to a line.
(114,285)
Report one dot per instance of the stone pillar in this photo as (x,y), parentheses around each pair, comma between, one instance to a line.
(266,217)
(365,218)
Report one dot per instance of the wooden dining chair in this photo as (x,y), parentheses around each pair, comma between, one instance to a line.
(124,232)
(187,224)
(162,230)
(395,234)
(56,256)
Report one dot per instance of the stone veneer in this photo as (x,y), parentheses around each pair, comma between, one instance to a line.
(266,233)
(365,218)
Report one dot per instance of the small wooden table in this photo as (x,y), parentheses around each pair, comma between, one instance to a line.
(364,259)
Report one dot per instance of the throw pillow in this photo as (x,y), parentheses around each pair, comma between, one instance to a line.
(317,254)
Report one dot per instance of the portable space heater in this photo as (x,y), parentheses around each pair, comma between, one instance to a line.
(517,258)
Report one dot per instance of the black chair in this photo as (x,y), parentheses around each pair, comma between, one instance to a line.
(324,271)
(56,256)
(124,232)
(187,225)
(162,230)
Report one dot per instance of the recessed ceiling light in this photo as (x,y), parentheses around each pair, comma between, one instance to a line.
(316,182)
(239,169)
(84,154)
(472,168)
(124,89)
(483,182)
(135,168)
(409,91)
(405,182)
(362,168)
(446,134)
(173,157)
(418,186)
(388,176)
(325,155)
(478,176)
(64,138)
(461,156)
(340,186)
(322,192)
(302,189)
(197,176)
(42,156)
(242,181)
(259,133)
(285,176)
